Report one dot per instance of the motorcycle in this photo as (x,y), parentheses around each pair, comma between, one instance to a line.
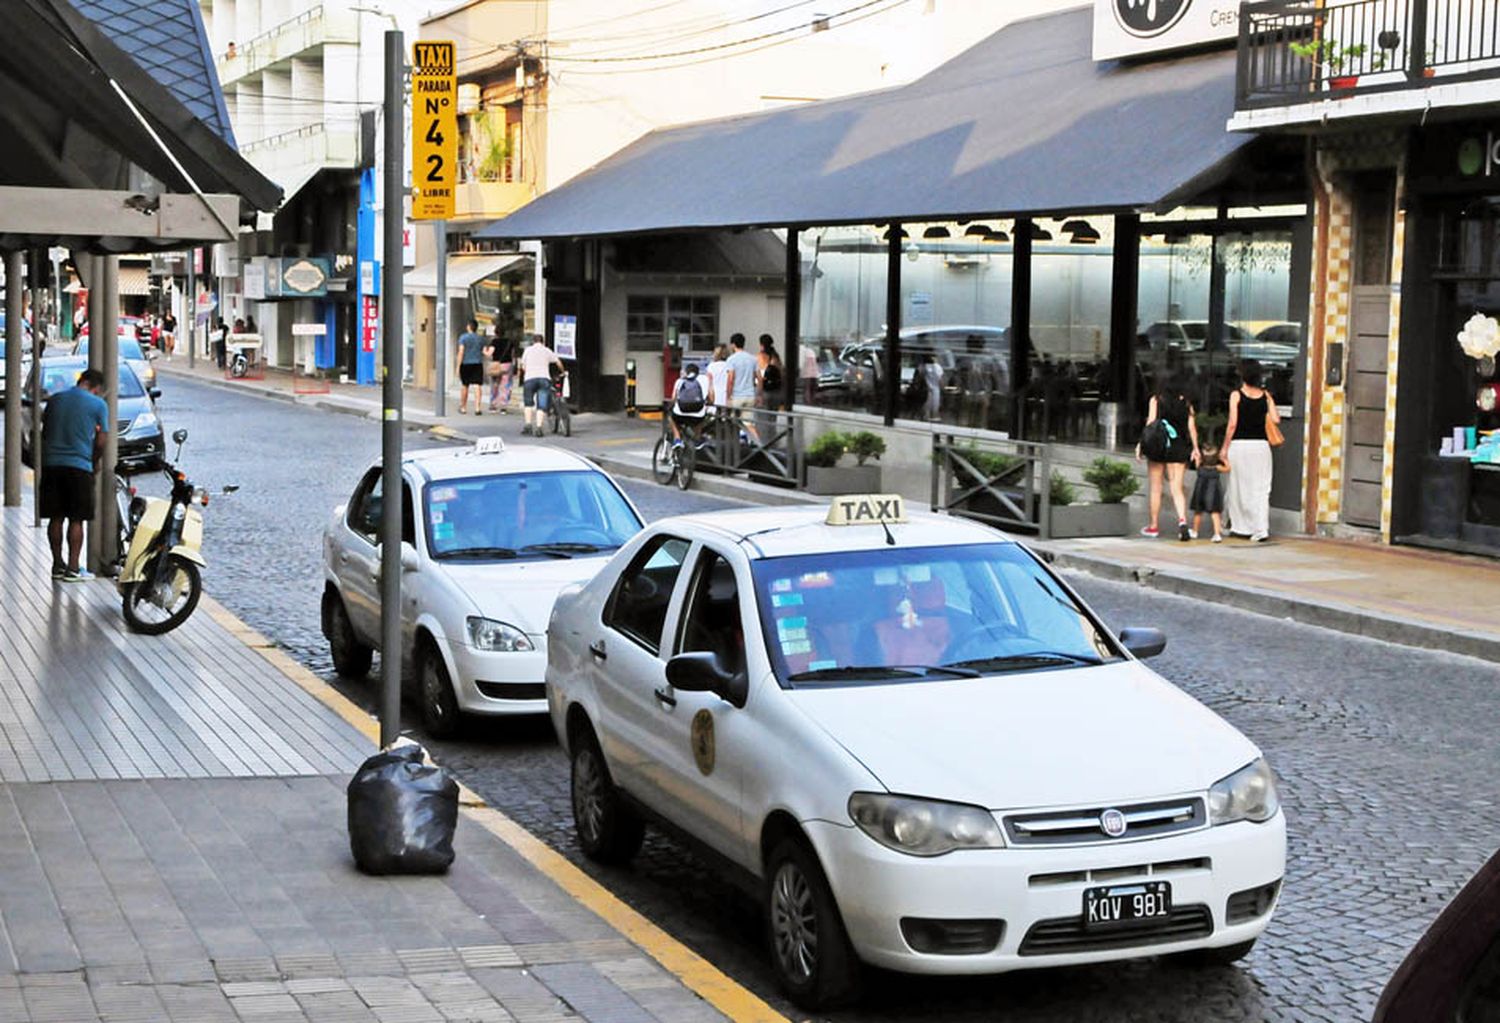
(159,582)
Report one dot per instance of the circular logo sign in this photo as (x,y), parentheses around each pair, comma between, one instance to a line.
(702,740)
(1470,157)
(1112,823)
(1149,17)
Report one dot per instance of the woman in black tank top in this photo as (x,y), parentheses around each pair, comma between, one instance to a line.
(1248,501)
(1170,404)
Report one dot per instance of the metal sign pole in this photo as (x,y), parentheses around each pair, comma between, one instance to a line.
(440,322)
(390,428)
(38,349)
(15,304)
(192,308)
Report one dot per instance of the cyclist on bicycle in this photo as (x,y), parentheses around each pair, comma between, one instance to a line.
(689,403)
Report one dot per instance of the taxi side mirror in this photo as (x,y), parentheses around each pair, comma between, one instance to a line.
(700,672)
(1143,643)
(409,562)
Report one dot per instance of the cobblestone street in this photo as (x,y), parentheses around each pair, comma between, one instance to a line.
(1386,769)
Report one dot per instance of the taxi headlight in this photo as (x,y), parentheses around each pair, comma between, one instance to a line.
(145,421)
(924,827)
(1248,794)
(488,634)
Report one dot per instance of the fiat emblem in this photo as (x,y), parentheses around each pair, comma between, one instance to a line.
(1112,823)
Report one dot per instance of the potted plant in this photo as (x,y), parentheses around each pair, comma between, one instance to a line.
(826,476)
(1109,516)
(1333,55)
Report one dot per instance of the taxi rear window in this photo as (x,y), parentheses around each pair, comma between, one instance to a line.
(905,614)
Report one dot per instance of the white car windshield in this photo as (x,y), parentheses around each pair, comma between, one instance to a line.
(531,515)
(903,614)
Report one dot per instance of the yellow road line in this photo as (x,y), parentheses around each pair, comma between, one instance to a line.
(698,974)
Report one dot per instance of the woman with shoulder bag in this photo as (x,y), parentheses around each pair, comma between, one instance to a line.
(1254,429)
(1168,442)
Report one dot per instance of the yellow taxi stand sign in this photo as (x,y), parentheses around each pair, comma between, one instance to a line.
(434,131)
(866,510)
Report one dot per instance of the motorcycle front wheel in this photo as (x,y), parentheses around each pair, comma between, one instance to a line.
(153,608)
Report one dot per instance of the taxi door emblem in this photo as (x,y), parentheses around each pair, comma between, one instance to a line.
(703,741)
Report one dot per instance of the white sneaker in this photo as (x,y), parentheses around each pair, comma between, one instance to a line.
(1192,534)
(1218,538)
(1261,537)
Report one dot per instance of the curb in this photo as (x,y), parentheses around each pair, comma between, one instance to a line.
(1344,618)
(713,485)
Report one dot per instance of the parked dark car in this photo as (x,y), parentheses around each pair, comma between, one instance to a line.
(141,444)
(954,346)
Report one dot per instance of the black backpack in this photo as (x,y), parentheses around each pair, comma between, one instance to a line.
(770,379)
(1156,440)
(689,395)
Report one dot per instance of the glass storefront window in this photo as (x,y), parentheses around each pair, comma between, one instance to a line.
(843,317)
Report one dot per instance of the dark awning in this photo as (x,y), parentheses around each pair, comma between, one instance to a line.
(1025,122)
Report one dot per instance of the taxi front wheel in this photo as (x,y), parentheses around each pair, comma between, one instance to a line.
(608,830)
(810,949)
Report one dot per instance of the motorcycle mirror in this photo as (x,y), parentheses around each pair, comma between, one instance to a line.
(179,435)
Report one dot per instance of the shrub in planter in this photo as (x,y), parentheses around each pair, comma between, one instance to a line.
(1063,492)
(1109,516)
(826,476)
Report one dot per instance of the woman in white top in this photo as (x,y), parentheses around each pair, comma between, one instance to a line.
(717,372)
(1248,501)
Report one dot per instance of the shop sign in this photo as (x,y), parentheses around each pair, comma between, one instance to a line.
(434,131)
(1134,28)
(255,279)
(309,329)
(565,336)
(369,322)
(304,278)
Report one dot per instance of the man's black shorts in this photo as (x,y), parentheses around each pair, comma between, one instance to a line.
(66,494)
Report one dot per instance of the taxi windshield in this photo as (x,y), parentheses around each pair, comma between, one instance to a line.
(905,614)
(526,515)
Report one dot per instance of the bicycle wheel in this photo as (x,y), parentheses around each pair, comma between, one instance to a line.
(663,466)
(686,458)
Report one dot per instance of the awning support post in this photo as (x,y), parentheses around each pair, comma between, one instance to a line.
(792,342)
(107,338)
(1124,311)
(440,324)
(1020,324)
(892,322)
(15,309)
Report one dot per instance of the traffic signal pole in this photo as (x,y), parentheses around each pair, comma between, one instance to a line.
(391,338)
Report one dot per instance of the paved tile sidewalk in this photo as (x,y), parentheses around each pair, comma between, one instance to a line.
(173,847)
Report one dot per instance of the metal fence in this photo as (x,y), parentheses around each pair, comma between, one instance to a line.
(1004,483)
(1294,51)
(763,444)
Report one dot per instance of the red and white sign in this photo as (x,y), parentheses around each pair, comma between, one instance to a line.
(369,323)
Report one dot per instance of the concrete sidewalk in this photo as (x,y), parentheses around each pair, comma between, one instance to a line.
(1397,594)
(173,847)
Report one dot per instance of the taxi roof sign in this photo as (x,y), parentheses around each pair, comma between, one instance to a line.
(866,510)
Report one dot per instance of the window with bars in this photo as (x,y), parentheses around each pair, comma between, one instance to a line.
(650,319)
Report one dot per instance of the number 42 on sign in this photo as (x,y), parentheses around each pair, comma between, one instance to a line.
(434,131)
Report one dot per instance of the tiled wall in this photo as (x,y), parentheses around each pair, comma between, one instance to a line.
(1336,263)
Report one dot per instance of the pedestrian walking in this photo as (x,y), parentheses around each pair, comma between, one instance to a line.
(73,427)
(169,333)
(1168,442)
(471,349)
(717,372)
(741,379)
(1252,414)
(932,378)
(503,365)
(1208,492)
(221,342)
(810,373)
(536,383)
(772,374)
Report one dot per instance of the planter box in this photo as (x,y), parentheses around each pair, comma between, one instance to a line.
(1072,520)
(841,479)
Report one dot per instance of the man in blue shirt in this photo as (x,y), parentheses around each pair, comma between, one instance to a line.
(73,427)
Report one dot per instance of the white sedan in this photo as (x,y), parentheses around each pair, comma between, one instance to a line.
(913,742)
(489,537)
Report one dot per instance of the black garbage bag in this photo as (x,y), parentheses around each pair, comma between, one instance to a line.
(402,814)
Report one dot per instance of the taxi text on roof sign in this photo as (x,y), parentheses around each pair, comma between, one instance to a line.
(434,131)
(866,510)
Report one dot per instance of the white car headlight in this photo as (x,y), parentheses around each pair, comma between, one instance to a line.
(142,422)
(924,827)
(1248,794)
(488,634)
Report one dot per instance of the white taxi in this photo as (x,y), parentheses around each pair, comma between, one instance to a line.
(913,742)
(489,537)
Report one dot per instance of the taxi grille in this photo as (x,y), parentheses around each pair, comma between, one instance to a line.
(1084,827)
(1067,934)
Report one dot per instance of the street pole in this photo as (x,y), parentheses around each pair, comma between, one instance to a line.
(390,427)
(440,321)
(38,349)
(192,309)
(106,511)
(15,309)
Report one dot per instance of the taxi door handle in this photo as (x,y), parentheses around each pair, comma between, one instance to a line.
(597,649)
(665,698)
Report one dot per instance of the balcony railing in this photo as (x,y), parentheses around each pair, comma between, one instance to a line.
(1298,51)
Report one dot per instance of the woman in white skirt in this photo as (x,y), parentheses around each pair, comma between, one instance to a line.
(1248,502)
